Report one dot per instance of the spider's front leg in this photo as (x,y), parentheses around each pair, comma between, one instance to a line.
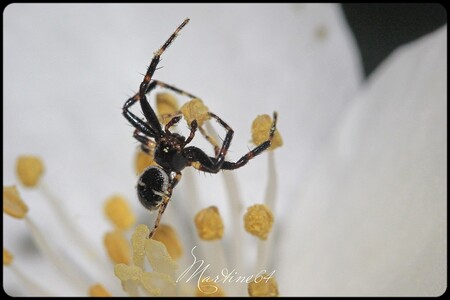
(135,121)
(143,89)
(201,161)
(147,145)
(169,116)
(255,151)
(151,128)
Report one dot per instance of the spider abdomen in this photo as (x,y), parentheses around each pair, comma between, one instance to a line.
(152,186)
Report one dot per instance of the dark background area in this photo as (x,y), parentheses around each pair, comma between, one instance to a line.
(380,28)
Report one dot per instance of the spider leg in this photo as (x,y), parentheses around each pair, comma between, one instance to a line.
(220,155)
(163,205)
(152,129)
(198,159)
(255,151)
(210,139)
(194,127)
(173,88)
(187,94)
(172,122)
(177,119)
(155,60)
(136,121)
(146,144)
(201,161)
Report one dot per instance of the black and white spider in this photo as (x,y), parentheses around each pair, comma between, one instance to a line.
(156,183)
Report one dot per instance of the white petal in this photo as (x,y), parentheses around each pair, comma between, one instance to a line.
(371,218)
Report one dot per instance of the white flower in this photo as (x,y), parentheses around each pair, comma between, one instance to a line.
(360,179)
(371,213)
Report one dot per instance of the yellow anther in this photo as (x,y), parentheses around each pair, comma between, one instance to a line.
(209,289)
(117,247)
(7,257)
(166,105)
(140,235)
(142,161)
(258,220)
(159,258)
(119,212)
(29,170)
(209,224)
(125,272)
(263,286)
(261,130)
(158,284)
(167,235)
(97,290)
(195,110)
(13,204)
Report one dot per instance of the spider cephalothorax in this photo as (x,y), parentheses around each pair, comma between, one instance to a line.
(171,153)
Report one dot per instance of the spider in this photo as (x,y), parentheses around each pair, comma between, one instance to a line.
(171,153)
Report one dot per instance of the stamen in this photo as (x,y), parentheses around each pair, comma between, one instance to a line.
(28,167)
(72,230)
(190,192)
(161,281)
(209,289)
(263,286)
(167,235)
(261,130)
(130,277)
(265,246)
(7,257)
(195,110)
(258,220)
(166,105)
(62,264)
(215,252)
(142,161)
(210,228)
(158,284)
(236,206)
(272,182)
(26,282)
(97,290)
(13,204)
(138,239)
(117,247)
(209,138)
(125,272)
(209,224)
(29,170)
(159,258)
(119,212)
